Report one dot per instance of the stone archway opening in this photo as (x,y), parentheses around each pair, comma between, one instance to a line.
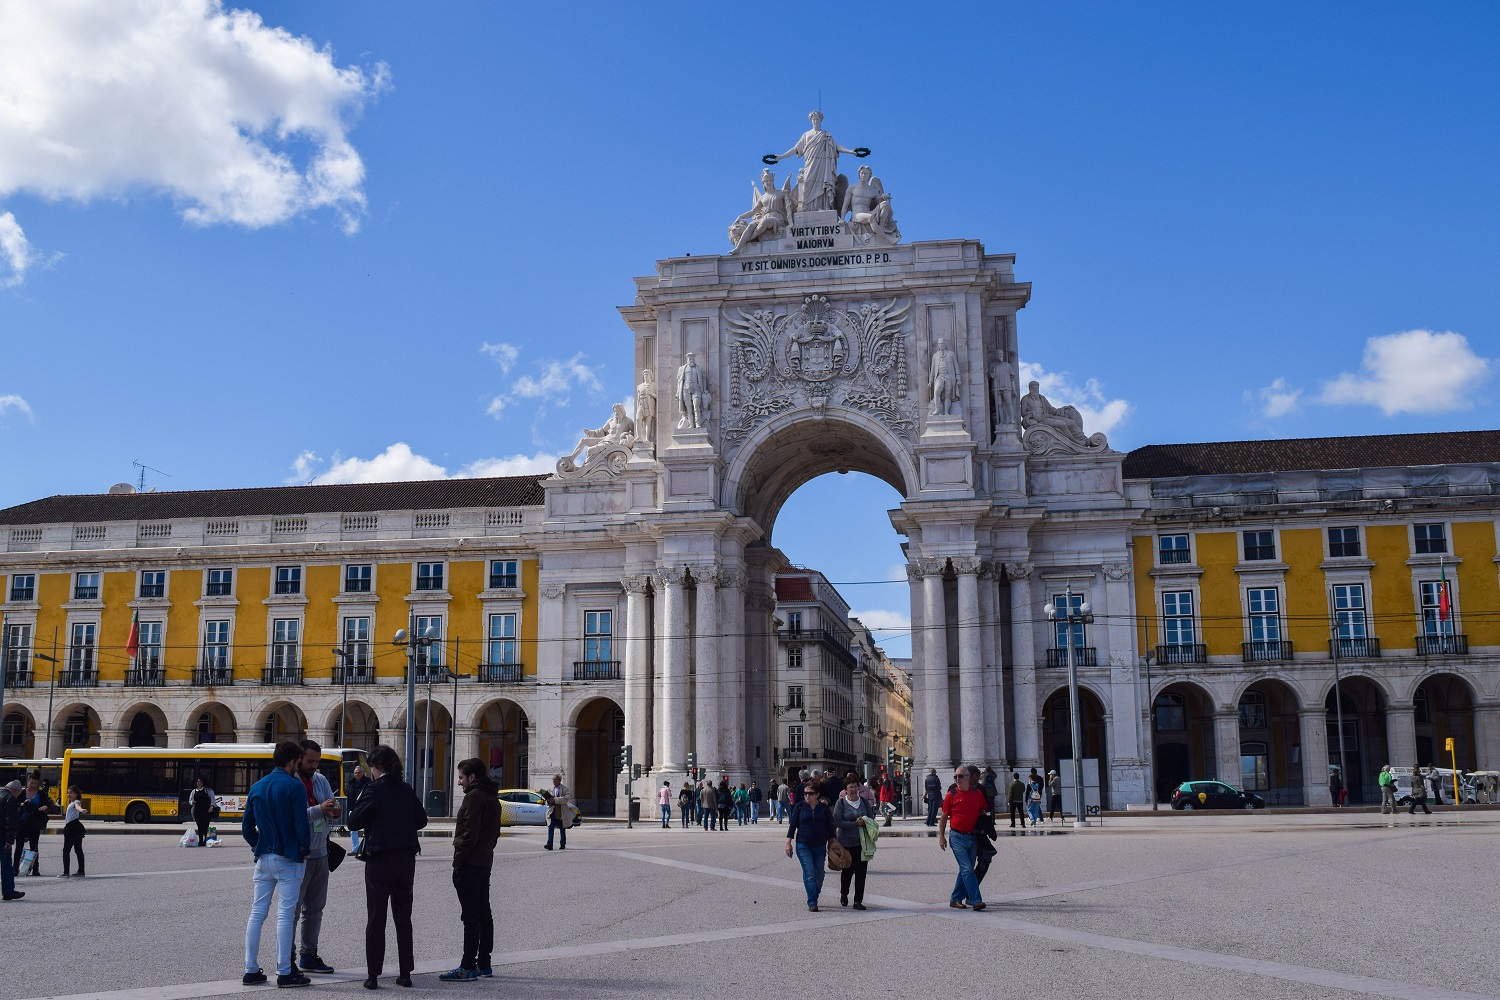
(1183,745)
(1271,743)
(17,733)
(1443,706)
(356,726)
(432,772)
(1364,746)
(144,725)
(1057,734)
(212,723)
(283,721)
(505,743)
(78,726)
(598,737)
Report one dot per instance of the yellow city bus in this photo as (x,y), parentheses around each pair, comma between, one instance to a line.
(13,769)
(144,784)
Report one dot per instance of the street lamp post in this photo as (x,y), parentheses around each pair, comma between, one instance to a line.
(408,637)
(1150,735)
(1083,616)
(51,687)
(343,658)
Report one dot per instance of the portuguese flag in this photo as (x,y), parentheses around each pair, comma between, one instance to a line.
(133,644)
(1445,603)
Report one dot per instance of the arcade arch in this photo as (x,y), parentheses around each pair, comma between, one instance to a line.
(282,721)
(505,742)
(1365,745)
(1093,726)
(17,732)
(1271,743)
(598,736)
(77,725)
(145,725)
(1443,707)
(1183,744)
(211,722)
(356,725)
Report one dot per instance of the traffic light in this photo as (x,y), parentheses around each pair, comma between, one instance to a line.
(890,759)
(692,765)
(636,772)
(627,757)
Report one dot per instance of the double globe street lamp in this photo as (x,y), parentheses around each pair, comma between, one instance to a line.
(1070,616)
(412,641)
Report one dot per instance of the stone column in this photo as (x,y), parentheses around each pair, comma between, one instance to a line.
(1400,737)
(1226,745)
(637,667)
(674,685)
(708,660)
(930,683)
(1486,736)
(466,744)
(1314,756)
(1023,668)
(971,687)
(179,739)
(732,688)
(658,657)
(989,644)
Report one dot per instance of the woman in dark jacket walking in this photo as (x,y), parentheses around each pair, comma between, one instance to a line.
(848,812)
(810,830)
(389,816)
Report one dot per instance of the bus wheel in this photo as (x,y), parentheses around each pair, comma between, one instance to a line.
(138,812)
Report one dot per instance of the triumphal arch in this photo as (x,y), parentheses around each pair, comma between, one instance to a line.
(821,340)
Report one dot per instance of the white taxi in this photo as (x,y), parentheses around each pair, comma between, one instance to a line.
(524,807)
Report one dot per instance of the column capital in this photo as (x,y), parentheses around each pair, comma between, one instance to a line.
(932,565)
(672,575)
(967,565)
(990,570)
(733,579)
(552,591)
(1116,571)
(635,584)
(1019,570)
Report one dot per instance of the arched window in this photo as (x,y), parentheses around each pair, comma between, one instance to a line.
(205,728)
(1253,710)
(13,730)
(1171,712)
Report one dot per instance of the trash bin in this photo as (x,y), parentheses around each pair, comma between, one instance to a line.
(635,810)
(437,802)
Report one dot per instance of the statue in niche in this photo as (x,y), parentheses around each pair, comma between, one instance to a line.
(770,212)
(618,430)
(1003,393)
(945,379)
(818,180)
(869,210)
(693,397)
(645,410)
(1049,427)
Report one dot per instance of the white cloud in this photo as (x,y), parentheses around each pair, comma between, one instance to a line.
(235,120)
(1415,371)
(1277,399)
(10,401)
(502,354)
(554,382)
(399,463)
(1100,415)
(878,620)
(17,255)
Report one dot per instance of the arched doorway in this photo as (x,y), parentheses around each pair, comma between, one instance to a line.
(212,723)
(283,721)
(505,743)
(1271,744)
(78,726)
(1444,707)
(434,739)
(1057,733)
(1364,738)
(1183,744)
(356,726)
(17,733)
(598,736)
(145,726)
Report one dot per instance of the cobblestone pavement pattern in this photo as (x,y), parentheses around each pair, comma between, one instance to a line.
(1224,906)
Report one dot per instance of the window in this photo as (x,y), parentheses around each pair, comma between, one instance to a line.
(81,647)
(1349,610)
(357,579)
(794,657)
(220,582)
(284,634)
(430,576)
(503,574)
(794,621)
(1064,610)
(1171,712)
(13,730)
(356,643)
(794,739)
(1437,620)
(23,587)
(502,639)
(1255,770)
(17,649)
(1253,710)
(597,631)
(1260,545)
(794,696)
(216,645)
(86,587)
(1265,614)
(1174,549)
(288,580)
(1430,538)
(153,583)
(1343,542)
(430,656)
(148,654)
(1177,618)
(76,730)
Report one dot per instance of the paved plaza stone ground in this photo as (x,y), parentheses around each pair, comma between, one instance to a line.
(1241,906)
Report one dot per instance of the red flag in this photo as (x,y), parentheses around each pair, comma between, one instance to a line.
(1445,603)
(133,644)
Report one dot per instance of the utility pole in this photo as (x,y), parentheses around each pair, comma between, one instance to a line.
(51,689)
(1069,617)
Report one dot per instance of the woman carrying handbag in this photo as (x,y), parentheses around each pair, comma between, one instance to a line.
(850,812)
(388,815)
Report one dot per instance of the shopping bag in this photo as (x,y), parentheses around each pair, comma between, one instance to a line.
(28,861)
(838,856)
(336,854)
(189,839)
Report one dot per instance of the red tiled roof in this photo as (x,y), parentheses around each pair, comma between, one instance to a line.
(509,491)
(794,589)
(1373,451)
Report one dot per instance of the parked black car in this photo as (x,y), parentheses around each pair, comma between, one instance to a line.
(1214,795)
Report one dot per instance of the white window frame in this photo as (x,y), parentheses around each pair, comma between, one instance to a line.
(431,656)
(140,584)
(151,638)
(83,656)
(1059,627)
(1443,527)
(209,582)
(1359,541)
(10,587)
(354,639)
(368,579)
(98,585)
(508,642)
(417,578)
(1433,627)
(294,575)
(794,696)
(1162,549)
(1355,617)
(286,644)
(794,657)
(514,574)
(19,639)
(1257,617)
(1275,545)
(794,740)
(595,639)
(217,646)
(1173,617)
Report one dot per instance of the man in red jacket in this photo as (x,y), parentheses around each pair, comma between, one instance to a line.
(960,813)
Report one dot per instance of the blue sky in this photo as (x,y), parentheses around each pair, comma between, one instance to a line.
(248,252)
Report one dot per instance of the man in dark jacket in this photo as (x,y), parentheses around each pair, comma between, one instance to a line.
(1015,795)
(388,816)
(10,824)
(276,828)
(932,792)
(475,831)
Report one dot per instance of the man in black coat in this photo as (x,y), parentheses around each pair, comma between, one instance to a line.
(10,823)
(932,790)
(475,831)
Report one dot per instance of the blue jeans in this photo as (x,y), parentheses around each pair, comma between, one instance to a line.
(780,812)
(553,824)
(932,810)
(811,859)
(666,815)
(755,812)
(966,886)
(739,813)
(284,877)
(1034,810)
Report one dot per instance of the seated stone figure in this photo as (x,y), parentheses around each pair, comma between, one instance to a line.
(1059,425)
(618,430)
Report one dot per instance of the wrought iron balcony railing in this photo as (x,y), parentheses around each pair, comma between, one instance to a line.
(354,675)
(1442,645)
(502,673)
(596,670)
(1266,649)
(289,676)
(1184,652)
(145,677)
(1367,648)
(213,676)
(1083,656)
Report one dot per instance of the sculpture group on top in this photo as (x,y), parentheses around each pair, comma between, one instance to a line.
(1046,428)
(820,188)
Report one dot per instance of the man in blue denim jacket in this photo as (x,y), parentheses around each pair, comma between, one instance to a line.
(277,830)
